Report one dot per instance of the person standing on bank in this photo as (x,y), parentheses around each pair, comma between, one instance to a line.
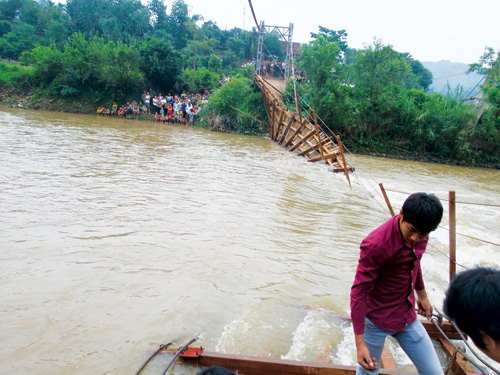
(387,277)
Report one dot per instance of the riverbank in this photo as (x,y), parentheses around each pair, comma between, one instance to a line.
(29,100)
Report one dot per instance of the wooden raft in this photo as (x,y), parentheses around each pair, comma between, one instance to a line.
(297,134)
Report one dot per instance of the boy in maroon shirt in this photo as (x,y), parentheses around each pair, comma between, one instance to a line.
(387,277)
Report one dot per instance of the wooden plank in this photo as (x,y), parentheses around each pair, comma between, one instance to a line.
(311,148)
(300,126)
(324,157)
(271,121)
(386,360)
(249,365)
(302,140)
(279,124)
(290,121)
(447,328)
(460,365)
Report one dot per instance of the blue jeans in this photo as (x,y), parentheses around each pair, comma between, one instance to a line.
(415,342)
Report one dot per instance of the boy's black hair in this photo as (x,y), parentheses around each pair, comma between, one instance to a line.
(424,211)
(216,370)
(473,302)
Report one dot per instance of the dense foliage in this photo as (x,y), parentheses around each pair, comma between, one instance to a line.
(113,49)
(376,98)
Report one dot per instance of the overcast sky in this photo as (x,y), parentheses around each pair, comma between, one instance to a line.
(434,30)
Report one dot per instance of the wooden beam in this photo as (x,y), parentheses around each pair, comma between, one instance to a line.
(279,124)
(447,328)
(387,361)
(318,137)
(324,157)
(343,160)
(273,366)
(460,365)
(453,236)
(387,201)
(302,140)
(300,126)
(311,148)
(271,121)
(290,121)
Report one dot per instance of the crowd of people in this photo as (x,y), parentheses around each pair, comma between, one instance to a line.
(184,108)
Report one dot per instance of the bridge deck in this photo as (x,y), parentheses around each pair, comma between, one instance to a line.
(297,133)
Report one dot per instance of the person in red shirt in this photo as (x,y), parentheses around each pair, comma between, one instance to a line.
(387,277)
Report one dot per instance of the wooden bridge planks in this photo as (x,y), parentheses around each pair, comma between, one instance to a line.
(299,134)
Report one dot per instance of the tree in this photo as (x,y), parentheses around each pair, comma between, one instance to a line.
(180,26)
(215,63)
(21,38)
(272,47)
(339,36)
(160,62)
(114,20)
(159,17)
(422,74)
(320,59)
(489,65)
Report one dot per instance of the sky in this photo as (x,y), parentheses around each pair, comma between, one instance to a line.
(436,30)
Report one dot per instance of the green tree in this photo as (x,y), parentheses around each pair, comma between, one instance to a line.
(180,25)
(215,63)
(21,38)
(159,17)
(339,36)
(422,74)
(204,79)
(236,106)
(160,62)
(321,60)
(272,48)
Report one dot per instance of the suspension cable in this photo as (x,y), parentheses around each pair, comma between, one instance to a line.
(253,13)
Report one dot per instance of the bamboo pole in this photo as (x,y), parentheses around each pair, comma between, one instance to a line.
(453,234)
(387,201)
(343,160)
(317,133)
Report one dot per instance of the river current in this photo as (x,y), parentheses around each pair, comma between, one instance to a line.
(119,235)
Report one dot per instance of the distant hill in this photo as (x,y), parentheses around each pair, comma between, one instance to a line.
(450,75)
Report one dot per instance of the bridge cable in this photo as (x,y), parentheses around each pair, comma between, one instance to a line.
(477,84)
(253,13)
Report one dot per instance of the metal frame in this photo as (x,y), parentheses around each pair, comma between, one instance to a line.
(286,35)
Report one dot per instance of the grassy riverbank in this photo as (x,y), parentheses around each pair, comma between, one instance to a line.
(18,91)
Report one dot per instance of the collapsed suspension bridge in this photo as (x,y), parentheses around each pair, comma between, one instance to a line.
(290,129)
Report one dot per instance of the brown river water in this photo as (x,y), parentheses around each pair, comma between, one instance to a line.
(120,235)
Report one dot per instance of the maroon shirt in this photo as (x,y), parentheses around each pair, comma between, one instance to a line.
(387,275)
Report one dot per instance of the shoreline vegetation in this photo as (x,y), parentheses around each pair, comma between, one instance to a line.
(376,98)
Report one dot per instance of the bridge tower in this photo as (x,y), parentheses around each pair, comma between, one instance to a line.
(285,34)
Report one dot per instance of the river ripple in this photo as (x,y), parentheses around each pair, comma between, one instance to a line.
(119,235)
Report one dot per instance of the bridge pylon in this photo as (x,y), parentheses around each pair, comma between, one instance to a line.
(285,34)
